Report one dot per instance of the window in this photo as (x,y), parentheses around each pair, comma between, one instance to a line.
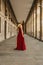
(0,24)
(42,19)
(38,20)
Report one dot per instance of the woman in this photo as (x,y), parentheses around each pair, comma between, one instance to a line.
(20,39)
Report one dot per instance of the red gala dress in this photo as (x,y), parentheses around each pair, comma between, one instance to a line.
(20,41)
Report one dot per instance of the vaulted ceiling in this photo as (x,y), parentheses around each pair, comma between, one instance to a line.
(21,8)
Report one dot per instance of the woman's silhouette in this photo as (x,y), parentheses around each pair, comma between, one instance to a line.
(20,39)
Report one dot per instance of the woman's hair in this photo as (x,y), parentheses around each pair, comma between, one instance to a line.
(20,26)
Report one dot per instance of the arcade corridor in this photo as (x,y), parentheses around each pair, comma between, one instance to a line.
(32,56)
(29,13)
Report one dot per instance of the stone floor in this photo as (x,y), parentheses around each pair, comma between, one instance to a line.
(32,56)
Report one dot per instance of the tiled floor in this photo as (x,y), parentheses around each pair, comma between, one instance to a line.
(32,56)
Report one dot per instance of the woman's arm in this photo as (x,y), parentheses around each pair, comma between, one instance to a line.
(22,33)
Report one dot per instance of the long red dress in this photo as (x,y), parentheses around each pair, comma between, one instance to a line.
(20,41)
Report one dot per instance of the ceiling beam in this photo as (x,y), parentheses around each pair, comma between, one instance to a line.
(32,8)
(8,1)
